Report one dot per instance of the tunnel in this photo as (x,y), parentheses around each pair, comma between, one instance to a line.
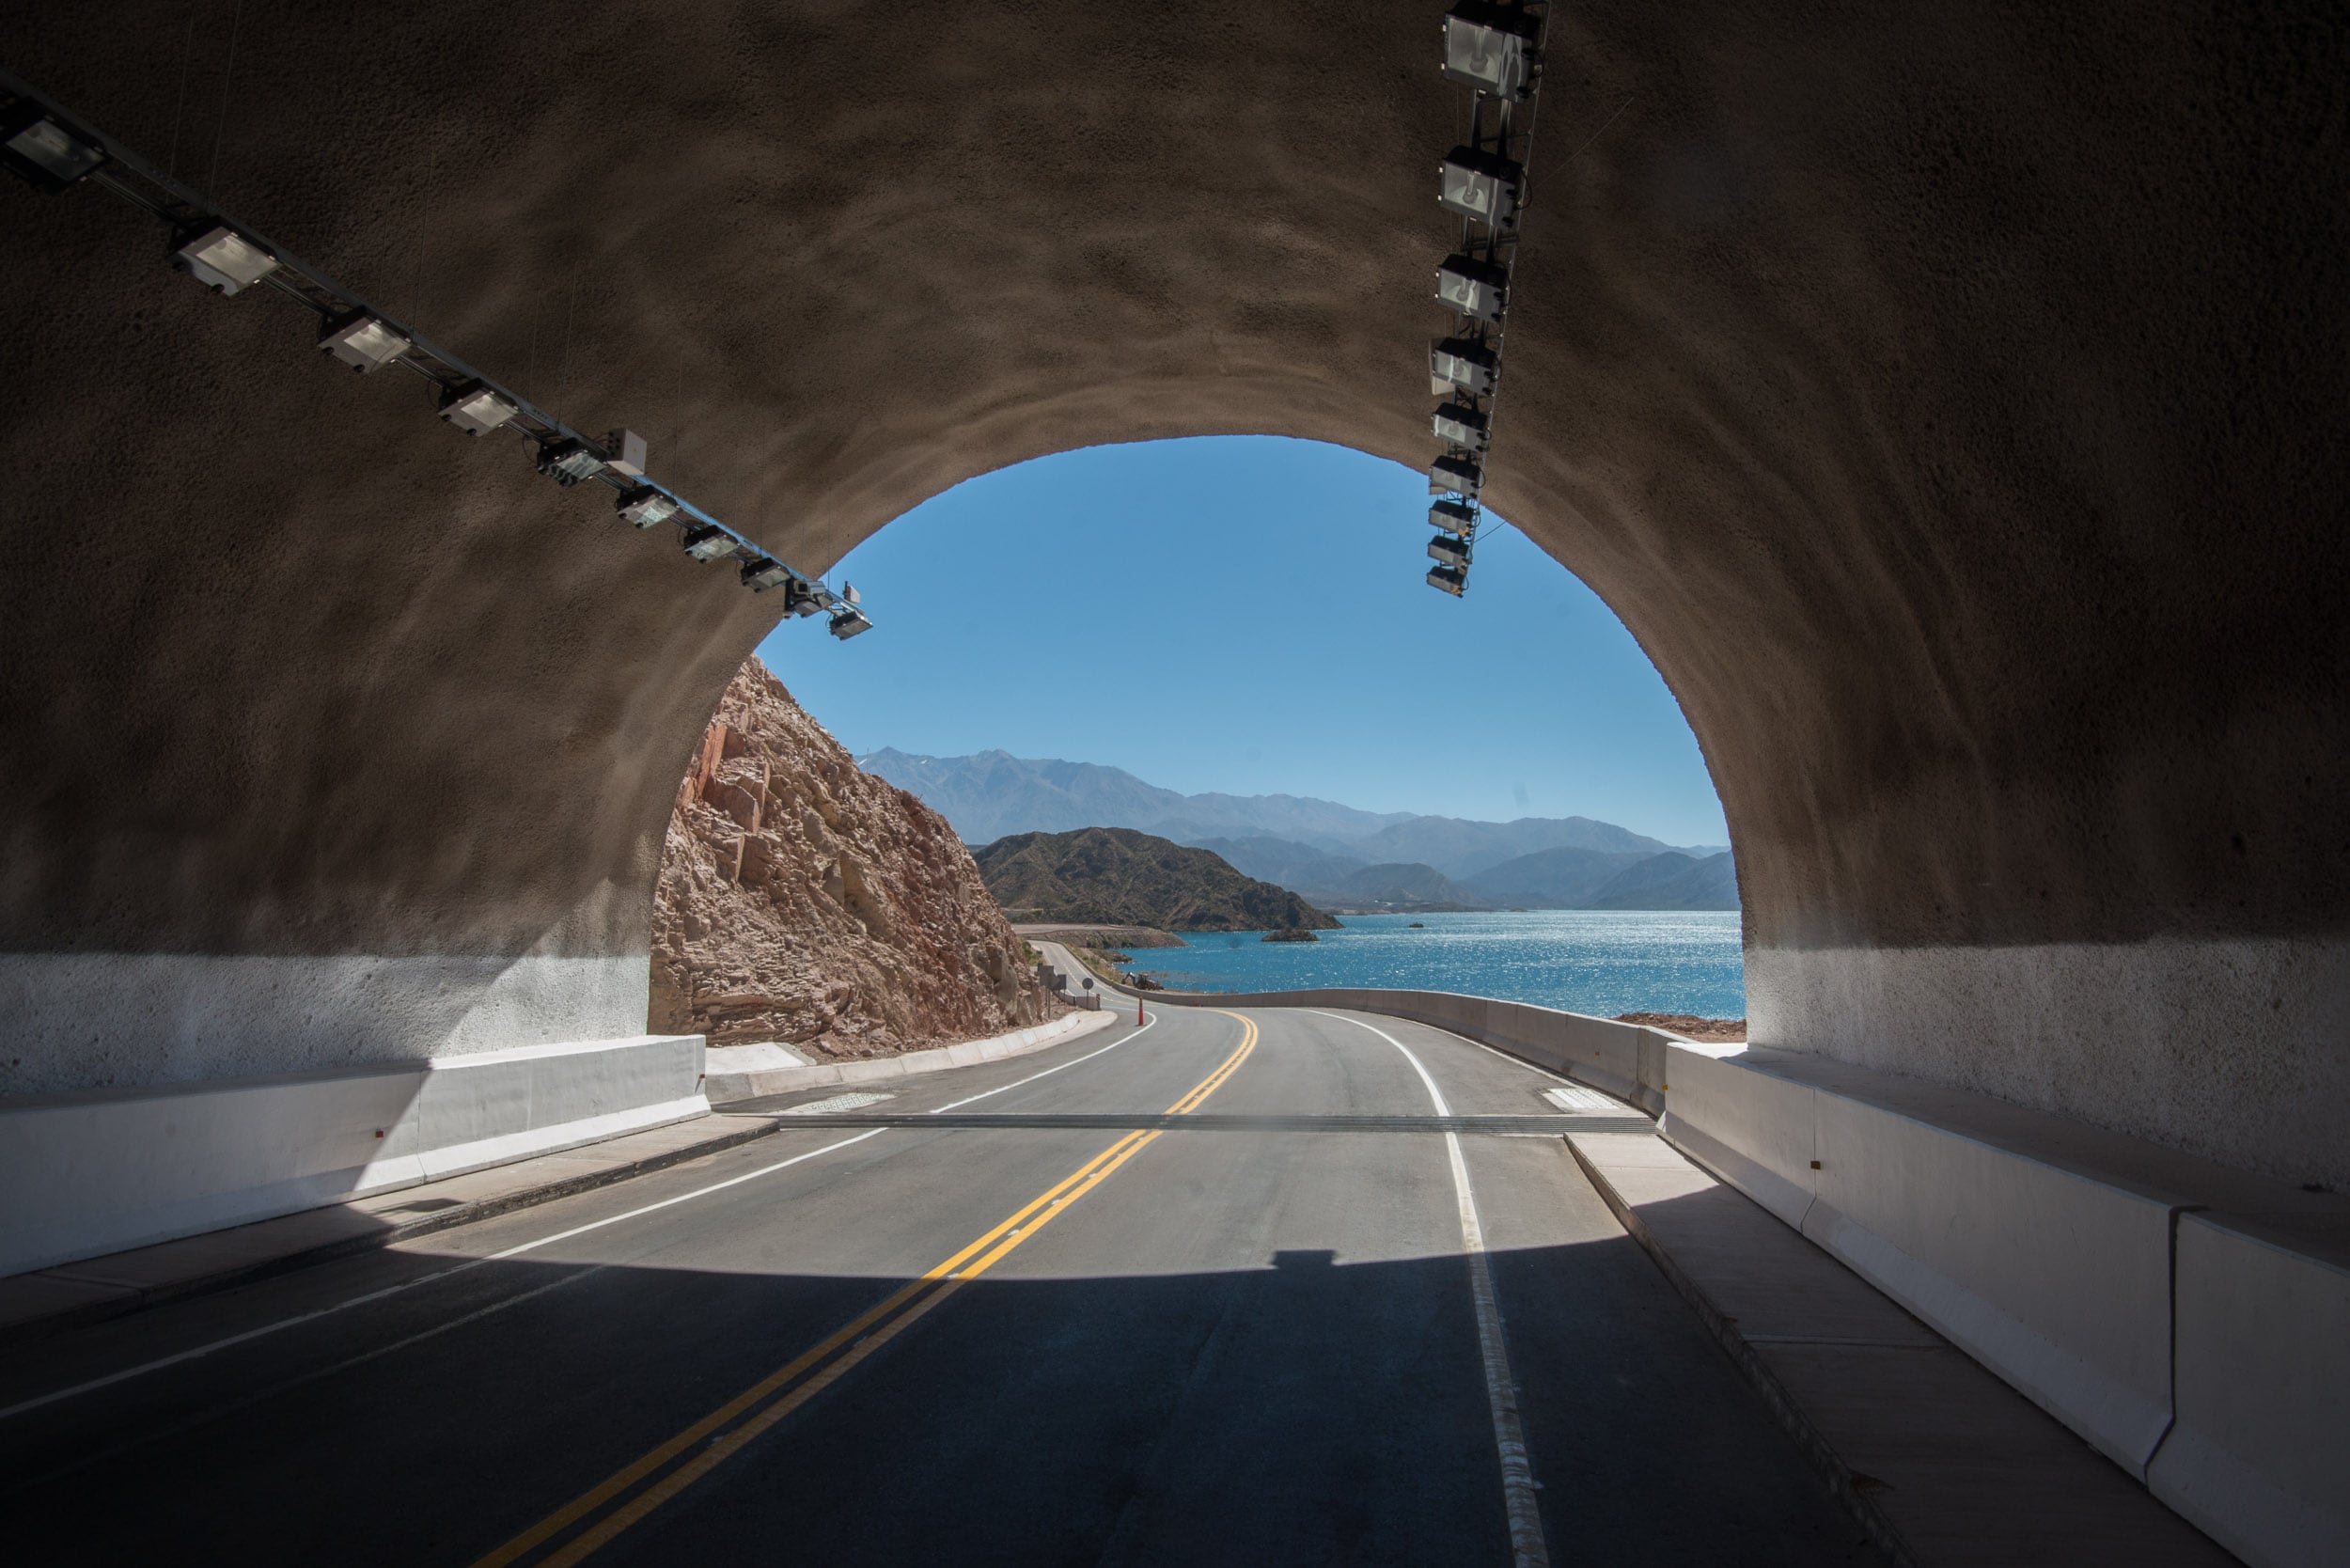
(1952,416)
(1951,403)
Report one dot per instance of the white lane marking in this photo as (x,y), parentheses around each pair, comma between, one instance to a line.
(1032,1078)
(231,1408)
(312,1316)
(1528,1548)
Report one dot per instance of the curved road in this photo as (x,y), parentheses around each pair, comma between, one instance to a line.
(1094,1330)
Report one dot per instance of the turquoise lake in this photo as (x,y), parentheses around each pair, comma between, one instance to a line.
(1604,961)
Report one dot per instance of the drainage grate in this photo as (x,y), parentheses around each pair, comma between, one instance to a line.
(1577,1100)
(838,1103)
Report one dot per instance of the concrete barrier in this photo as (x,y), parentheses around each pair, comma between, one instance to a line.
(2191,1321)
(97,1172)
(2057,1279)
(1753,1131)
(2257,1458)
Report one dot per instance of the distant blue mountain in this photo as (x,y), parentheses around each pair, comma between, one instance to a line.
(1300,843)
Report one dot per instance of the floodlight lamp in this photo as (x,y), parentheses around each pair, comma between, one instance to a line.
(224,260)
(628,453)
(1474,288)
(1451,579)
(1452,474)
(50,153)
(764,572)
(1465,362)
(1480,185)
(644,507)
(1463,425)
(567,462)
(1453,517)
(365,343)
(707,542)
(849,594)
(1490,48)
(475,409)
(1449,550)
(849,622)
(806,599)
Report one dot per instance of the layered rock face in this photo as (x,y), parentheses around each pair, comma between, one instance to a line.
(805,901)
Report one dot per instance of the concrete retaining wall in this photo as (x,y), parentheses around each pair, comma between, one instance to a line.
(97,1172)
(2190,1320)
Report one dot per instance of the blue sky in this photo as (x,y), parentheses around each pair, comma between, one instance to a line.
(1249,614)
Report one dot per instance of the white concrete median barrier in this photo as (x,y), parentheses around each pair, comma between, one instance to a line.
(100,1171)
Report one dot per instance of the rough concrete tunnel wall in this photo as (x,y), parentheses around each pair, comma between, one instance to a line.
(1949,399)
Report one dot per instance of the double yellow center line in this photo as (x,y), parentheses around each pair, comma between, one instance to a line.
(654,1477)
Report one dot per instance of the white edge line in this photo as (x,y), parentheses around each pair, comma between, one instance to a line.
(1528,1548)
(144,1368)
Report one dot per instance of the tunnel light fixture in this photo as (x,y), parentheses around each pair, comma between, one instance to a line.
(364,342)
(224,260)
(1464,363)
(1453,517)
(41,143)
(1461,424)
(475,409)
(567,462)
(762,572)
(644,506)
(1454,475)
(1451,579)
(48,150)
(1490,48)
(1483,186)
(707,542)
(1479,290)
(1449,550)
(625,453)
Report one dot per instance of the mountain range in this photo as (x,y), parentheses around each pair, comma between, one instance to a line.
(992,793)
(1331,853)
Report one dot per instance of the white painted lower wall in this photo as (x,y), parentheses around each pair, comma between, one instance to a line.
(96,1172)
(2051,1250)
(83,1021)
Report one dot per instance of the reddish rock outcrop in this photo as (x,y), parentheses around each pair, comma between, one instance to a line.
(805,901)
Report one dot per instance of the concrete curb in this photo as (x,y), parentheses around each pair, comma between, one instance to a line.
(726,1088)
(1825,1461)
(139,1298)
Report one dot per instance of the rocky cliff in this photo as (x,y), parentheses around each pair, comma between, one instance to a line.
(805,901)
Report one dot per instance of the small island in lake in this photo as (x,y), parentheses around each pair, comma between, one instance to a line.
(1291,934)
(1416,925)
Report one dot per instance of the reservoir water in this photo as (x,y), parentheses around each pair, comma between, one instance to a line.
(1604,961)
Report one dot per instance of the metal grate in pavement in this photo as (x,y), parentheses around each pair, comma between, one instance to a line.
(831,1105)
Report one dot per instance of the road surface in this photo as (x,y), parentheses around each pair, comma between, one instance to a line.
(1280,1287)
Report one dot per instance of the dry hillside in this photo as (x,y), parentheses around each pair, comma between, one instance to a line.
(803,901)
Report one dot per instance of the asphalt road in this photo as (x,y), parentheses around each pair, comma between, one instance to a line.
(1034,1342)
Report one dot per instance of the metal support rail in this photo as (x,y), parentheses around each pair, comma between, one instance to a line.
(1504,127)
(188,214)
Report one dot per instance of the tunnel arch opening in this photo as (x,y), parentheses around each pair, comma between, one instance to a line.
(1923,468)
